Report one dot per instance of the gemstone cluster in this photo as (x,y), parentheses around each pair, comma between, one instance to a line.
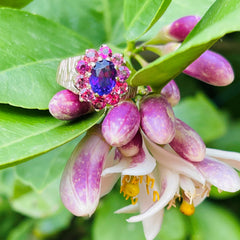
(101,77)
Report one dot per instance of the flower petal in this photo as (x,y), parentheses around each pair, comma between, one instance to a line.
(169,183)
(128,209)
(231,158)
(188,187)
(152,225)
(107,182)
(142,164)
(219,174)
(80,183)
(174,162)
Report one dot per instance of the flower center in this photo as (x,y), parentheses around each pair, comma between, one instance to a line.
(130,187)
(103,77)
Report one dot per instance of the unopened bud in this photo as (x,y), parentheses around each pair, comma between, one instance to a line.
(187,143)
(65,105)
(132,148)
(171,93)
(80,183)
(176,31)
(180,28)
(121,124)
(157,119)
(211,68)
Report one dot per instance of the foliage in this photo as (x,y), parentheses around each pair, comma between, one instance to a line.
(34,146)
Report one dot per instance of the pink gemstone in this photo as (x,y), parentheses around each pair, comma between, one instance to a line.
(117,59)
(87,96)
(82,67)
(99,103)
(121,88)
(112,98)
(81,82)
(105,51)
(91,55)
(123,73)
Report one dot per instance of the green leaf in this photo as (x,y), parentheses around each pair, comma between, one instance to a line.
(22,231)
(141,15)
(177,9)
(53,224)
(7,178)
(100,21)
(173,219)
(30,50)
(27,133)
(223,17)
(213,222)
(200,114)
(108,225)
(39,172)
(14,3)
(37,205)
(215,194)
(230,140)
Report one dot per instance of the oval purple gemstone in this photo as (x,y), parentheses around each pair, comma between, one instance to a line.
(102,77)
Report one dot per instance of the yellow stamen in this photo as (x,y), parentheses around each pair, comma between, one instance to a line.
(155,195)
(147,189)
(134,200)
(187,208)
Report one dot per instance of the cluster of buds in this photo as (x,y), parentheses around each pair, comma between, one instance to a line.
(158,158)
(210,67)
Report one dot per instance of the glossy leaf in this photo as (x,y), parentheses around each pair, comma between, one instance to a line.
(177,9)
(141,15)
(199,113)
(53,224)
(223,17)
(105,217)
(27,133)
(99,21)
(22,230)
(14,3)
(30,49)
(37,205)
(213,222)
(173,219)
(40,171)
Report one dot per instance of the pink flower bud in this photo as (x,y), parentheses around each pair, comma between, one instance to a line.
(171,93)
(187,143)
(157,119)
(80,183)
(176,31)
(132,148)
(180,28)
(121,124)
(211,68)
(65,105)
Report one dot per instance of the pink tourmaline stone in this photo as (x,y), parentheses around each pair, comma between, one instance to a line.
(117,59)
(87,95)
(99,103)
(123,73)
(80,82)
(121,88)
(105,51)
(82,67)
(112,98)
(91,55)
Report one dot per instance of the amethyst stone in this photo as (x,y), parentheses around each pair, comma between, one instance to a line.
(102,77)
